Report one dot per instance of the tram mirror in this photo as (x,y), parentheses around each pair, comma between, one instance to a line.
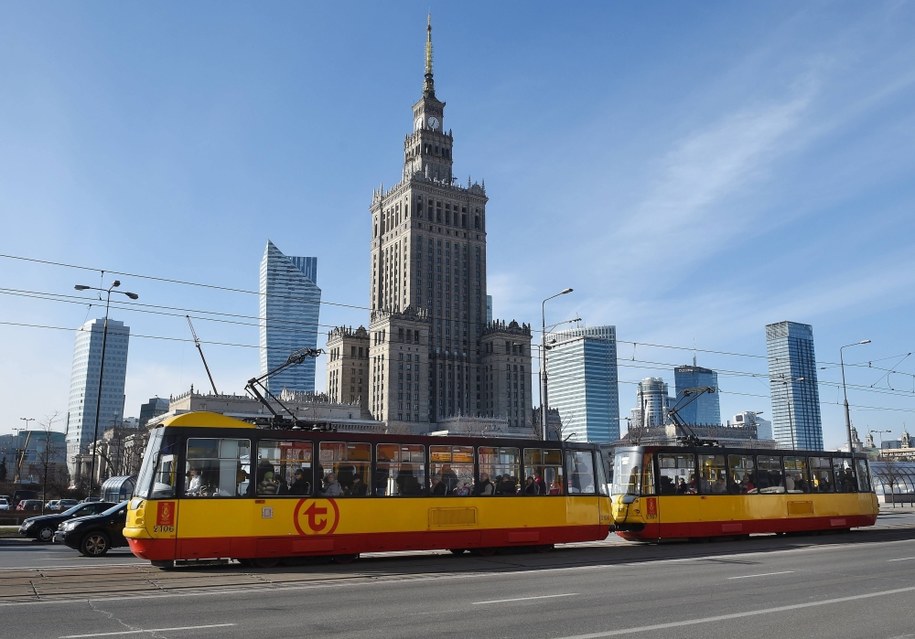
(628,499)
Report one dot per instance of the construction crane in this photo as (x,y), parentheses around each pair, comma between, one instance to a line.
(200,350)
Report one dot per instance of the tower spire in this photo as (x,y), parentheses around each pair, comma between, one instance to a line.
(429,84)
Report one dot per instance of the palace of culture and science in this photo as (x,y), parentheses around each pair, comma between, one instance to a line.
(431,359)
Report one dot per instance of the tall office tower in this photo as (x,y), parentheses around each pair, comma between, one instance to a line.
(84,385)
(583,383)
(653,402)
(697,409)
(793,386)
(432,353)
(289,304)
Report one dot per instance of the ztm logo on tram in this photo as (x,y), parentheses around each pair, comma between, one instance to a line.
(317,516)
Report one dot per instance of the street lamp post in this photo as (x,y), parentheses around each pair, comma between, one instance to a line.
(790,417)
(25,447)
(101,373)
(544,404)
(851,443)
(880,435)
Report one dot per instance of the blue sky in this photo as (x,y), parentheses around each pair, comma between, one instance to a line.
(694,170)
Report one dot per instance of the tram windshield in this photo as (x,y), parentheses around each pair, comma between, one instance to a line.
(156,478)
(626,480)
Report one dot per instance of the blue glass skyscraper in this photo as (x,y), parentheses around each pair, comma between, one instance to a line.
(793,386)
(84,385)
(289,304)
(699,409)
(583,383)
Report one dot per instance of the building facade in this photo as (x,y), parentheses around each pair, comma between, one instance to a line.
(289,303)
(793,386)
(84,423)
(692,407)
(583,383)
(153,408)
(434,355)
(653,404)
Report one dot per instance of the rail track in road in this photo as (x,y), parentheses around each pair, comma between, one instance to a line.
(102,581)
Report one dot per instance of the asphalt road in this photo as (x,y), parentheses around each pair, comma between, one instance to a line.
(860,584)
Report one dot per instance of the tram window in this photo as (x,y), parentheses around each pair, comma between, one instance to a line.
(769,474)
(626,480)
(157,481)
(283,458)
(677,473)
(845,475)
(740,474)
(542,471)
(796,477)
(213,465)
(712,475)
(864,484)
(821,477)
(349,462)
(580,471)
(400,470)
(454,466)
(503,465)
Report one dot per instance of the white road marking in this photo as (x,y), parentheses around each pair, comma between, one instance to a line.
(137,632)
(738,615)
(901,559)
(763,574)
(496,601)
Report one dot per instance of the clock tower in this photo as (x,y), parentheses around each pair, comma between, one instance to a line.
(428,149)
(433,354)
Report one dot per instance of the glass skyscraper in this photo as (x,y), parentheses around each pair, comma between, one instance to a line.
(703,409)
(84,385)
(289,304)
(793,386)
(583,383)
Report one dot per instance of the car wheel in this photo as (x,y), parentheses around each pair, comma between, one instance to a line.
(45,534)
(94,544)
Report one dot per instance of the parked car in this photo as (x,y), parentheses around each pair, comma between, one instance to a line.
(53,504)
(95,535)
(63,504)
(42,528)
(30,504)
(4,503)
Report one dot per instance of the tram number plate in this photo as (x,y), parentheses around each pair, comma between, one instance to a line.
(164,529)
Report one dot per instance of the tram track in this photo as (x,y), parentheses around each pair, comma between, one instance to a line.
(105,581)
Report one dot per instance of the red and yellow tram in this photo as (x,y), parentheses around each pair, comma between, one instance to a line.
(213,487)
(682,492)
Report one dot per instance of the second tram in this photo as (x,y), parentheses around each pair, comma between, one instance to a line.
(682,492)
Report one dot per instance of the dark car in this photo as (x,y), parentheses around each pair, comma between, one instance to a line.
(42,528)
(95,535)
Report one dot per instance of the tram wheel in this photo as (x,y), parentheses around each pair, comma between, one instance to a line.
(264,562)
(345,559)
(484,552)
(164,565)
(456,551)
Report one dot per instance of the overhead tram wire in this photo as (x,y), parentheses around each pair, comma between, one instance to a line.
(252,320)
(224,317)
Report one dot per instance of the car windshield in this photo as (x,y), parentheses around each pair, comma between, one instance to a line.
(73,509)
(114,509)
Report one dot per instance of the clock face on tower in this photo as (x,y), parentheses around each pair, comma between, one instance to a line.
(433,122)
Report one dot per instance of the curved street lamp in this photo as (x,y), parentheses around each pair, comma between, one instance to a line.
(544,405)
(851,443)
(101,373)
